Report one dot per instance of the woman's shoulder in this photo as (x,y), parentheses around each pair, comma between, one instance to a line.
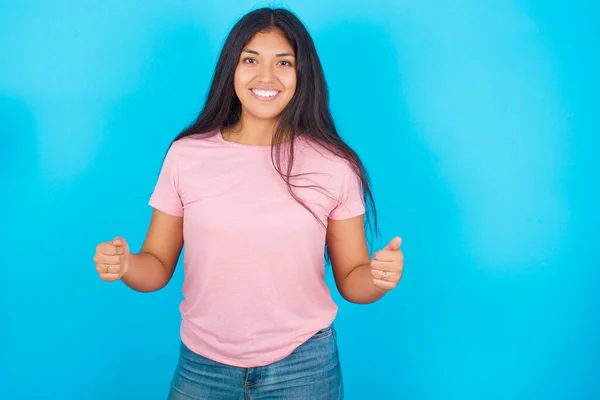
(194,141)
(320,154)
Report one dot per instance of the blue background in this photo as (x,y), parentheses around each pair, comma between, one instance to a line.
(477,121)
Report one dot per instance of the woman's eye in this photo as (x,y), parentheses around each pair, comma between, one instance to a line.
(249,60)
(285,63)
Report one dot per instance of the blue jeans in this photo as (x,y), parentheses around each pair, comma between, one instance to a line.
(311,372)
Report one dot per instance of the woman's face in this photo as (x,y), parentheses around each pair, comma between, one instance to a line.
(265,77)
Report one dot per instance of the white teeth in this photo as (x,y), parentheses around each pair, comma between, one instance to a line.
(265,93)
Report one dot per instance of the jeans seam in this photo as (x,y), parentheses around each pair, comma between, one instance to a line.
(248,384)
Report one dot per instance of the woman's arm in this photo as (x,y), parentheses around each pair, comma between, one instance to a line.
(152,268)
(357,277)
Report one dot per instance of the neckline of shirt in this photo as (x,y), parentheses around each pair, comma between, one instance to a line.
(248,146)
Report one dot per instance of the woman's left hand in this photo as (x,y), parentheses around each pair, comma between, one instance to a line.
(387,265)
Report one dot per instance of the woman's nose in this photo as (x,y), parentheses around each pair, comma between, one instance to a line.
(266,73)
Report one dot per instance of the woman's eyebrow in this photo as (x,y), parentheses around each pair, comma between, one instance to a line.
(276,55)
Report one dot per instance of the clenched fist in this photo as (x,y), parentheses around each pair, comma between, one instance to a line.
(111,259)
(387,265)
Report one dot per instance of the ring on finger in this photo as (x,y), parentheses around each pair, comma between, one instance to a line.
(383,275)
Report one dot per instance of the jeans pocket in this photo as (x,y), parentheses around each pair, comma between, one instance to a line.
(324,333)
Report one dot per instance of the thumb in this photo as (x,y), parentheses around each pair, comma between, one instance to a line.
(394,244)
(118,241)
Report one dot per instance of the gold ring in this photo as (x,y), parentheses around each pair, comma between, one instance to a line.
(383,274)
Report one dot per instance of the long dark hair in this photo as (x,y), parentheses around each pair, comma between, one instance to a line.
(306,114)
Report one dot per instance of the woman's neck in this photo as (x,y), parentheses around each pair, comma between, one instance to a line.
(252,131)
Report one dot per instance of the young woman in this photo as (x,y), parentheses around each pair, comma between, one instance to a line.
(261,189)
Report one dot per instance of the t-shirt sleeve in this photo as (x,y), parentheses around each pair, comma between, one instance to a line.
(166,195)
(350,197)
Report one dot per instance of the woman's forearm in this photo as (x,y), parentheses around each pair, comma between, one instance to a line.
(145,273)
(358,286)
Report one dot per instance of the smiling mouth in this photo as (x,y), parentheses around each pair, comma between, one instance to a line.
(265,95)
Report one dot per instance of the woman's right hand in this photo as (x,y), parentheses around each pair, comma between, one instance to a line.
(111,259)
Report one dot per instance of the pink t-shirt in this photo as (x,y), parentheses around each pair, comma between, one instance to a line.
(254,286)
